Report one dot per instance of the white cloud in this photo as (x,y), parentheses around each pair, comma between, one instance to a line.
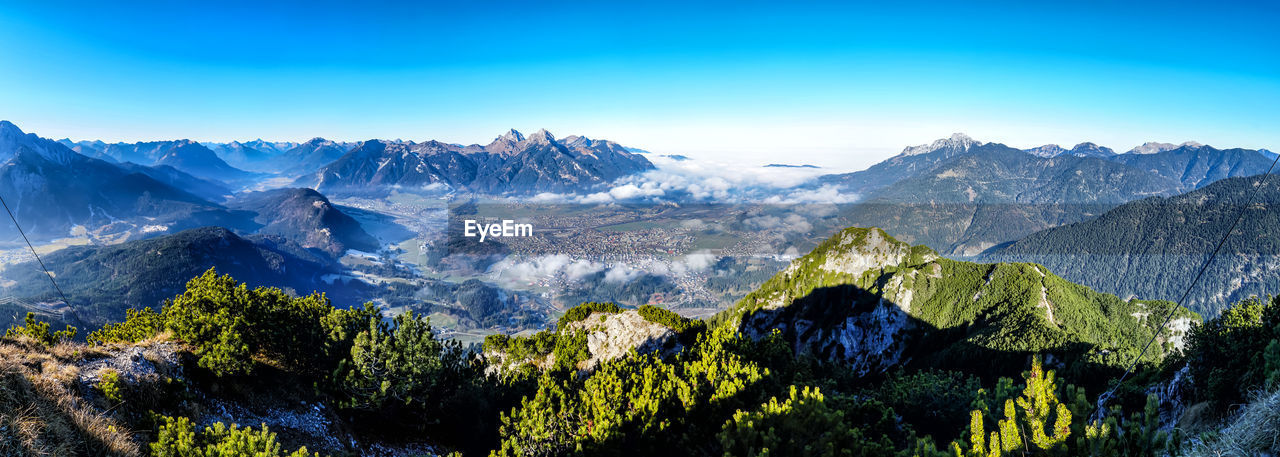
(693,180)
(543,268)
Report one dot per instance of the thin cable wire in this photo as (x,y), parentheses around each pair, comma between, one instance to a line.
(1258,189)
(33,252)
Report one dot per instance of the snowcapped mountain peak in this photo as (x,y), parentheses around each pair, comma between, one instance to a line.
(956,143)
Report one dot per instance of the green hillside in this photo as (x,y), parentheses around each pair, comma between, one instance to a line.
(1153,247)
(867,298)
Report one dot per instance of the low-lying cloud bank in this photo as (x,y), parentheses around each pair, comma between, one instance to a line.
(549,267)
(688,180)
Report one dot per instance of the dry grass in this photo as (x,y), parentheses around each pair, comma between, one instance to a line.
(41,412)
(1256,431)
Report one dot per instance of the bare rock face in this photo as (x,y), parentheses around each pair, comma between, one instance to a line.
(606,336)
(858,252)
(613,336)
(135,364)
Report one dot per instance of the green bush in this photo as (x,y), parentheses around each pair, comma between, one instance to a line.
(636,405)
(229,325)
(111,387)
(1228,356)
(177,438)
(404,364)
(669,319)
(571,349)
(39,331)
(802,425)
(930,400)
(138,325)
(582,311)
(522,348)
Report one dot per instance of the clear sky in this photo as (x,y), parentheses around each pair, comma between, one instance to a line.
(841,85)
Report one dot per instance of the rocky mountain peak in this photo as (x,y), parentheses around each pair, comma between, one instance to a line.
(542,136)
(7,128)
(507,144)
(575,141)
(512,136)
(1048,150)
(1153,147)
(1088,149)
(13,138)
(956,143)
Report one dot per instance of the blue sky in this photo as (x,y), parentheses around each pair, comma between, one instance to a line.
(841,85)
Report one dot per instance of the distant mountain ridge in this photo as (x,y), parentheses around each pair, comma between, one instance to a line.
(188,156)
(1085,149)
(307,157)
(962,196)
(52,189)
(511,163)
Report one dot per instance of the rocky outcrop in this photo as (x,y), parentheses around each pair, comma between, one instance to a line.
(613,336)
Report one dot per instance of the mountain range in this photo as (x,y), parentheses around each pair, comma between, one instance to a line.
(185,155)
(250,155)
(962,196)
(53,190)
(511,163)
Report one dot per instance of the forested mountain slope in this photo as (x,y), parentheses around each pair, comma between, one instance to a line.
(1154,247)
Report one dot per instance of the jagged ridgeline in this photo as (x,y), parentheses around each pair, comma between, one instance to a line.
(873,301)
